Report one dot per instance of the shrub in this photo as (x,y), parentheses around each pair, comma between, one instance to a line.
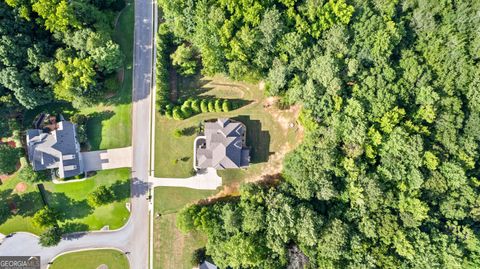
(211,106)
(27,174)
(196,106)
(204,106)
(198,256)
(45,217)
(177,133)
(177,113)
(168,113)
(51,237)
(218,105)
(187,102)
(226,106)
(184,60)
(101,196)
(8,159)
(186,110)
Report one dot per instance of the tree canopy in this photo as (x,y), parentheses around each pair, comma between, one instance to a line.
(387,175)
(56,50)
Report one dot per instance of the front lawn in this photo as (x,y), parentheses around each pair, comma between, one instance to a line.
(92,259)
(70,200)
(269,133)
(172,249)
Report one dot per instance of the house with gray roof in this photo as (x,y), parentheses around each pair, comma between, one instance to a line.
(223,145)
(207,265)
(55,149)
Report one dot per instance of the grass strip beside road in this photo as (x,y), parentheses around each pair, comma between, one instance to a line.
(91,259)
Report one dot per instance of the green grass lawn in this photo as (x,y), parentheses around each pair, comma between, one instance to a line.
(266,131)
(28,202)
(91,259)
(70,200)
(172,249)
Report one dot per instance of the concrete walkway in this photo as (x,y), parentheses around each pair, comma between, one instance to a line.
(107,159)
(205,180)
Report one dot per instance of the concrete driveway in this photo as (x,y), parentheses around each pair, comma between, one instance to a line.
(205,180)
(107,159)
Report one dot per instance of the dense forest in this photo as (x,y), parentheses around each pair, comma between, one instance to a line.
(55,50)
(388,174)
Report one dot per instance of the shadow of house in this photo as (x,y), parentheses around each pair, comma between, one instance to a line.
(94,127)
(258,140)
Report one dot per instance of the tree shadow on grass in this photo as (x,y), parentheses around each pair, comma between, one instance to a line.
(257,139)
(13,204)
(74,227)
(121,190)
(68,207)
(94,127)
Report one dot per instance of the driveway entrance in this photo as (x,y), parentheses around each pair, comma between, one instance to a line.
(107,159)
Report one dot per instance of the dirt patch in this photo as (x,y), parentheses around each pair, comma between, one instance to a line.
(21,187)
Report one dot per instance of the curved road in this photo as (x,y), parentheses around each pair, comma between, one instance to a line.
(132,237)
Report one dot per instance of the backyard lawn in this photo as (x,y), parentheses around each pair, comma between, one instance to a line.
(269,133)
(91,259)
(172,249)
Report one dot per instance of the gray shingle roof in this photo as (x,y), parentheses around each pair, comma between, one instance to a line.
(58,149)
(225,145)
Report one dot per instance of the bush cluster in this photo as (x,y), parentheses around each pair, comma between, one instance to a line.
(192,107)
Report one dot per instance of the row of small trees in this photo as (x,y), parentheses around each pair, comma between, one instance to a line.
(163,41)
(194,106)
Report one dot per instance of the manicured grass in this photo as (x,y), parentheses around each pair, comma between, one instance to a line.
(91,259)
(27,202)
(171,199)
(70,199)
(172,249)
(267,130)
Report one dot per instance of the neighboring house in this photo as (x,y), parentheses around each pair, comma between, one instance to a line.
(55,149)
(222,146)
(207,265)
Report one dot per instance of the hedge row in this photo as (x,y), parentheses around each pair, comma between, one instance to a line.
(194,106)
(163,43)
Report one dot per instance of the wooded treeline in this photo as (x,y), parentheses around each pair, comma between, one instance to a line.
(388,173)
(56,50)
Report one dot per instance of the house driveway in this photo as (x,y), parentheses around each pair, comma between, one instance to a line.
(107,159)
(204,180)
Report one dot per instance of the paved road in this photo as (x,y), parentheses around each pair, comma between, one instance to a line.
(133,237)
